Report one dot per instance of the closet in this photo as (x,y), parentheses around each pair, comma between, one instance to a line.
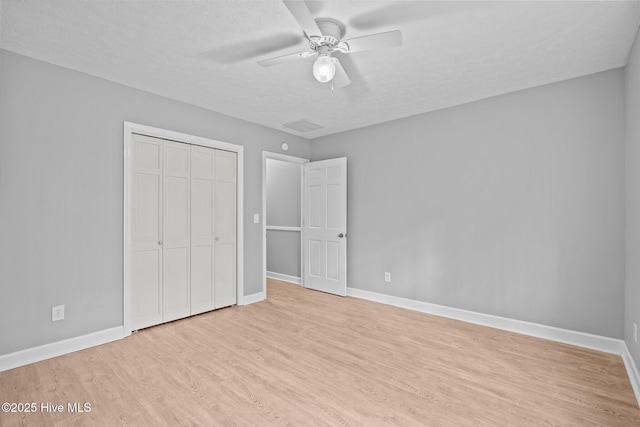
(183,230)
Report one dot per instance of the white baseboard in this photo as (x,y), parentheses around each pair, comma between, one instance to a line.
(595,342)
(58,348)
(284,277)
(253,298)
(632,370)
(581,339)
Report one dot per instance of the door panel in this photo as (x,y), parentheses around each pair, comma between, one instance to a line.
(146,275)
(315,258)
(316,210)
(333,261)
(225,275)
(176,158)
(226,166)
(146,233)
(146,221)
(176,241)
(202,209)
(201,279)
(202,229)
(325,226)
(175,294)
(176,224)
(333,207)
(225,229)
(226,218)
(147,153)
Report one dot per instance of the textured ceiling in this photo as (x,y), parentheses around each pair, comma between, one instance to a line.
(205,52)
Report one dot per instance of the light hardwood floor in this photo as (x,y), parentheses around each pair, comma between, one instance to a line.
(307,358)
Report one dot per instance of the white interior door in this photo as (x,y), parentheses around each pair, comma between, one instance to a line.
(146,236)
(325,226)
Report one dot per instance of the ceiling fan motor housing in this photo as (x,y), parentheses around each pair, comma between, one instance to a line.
(332,32)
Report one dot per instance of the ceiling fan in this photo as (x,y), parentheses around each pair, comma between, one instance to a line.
(325,38)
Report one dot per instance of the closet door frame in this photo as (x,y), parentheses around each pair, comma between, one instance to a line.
(134,128)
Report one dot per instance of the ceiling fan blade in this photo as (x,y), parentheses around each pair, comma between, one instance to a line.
(301,13)
(374,41)
(286,58)
(341,79)
(236,52)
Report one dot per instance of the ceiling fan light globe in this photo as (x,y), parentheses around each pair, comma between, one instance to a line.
(324,69)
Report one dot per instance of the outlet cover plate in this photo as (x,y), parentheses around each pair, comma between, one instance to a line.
(57,313)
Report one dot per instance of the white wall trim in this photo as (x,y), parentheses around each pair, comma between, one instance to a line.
(284,277)
(282,228)
(594,342)
(632,370)
(253,298)
(129,130)
(58,348)
(286,158)
(566,336)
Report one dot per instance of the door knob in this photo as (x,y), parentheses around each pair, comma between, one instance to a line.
(159,242)
(341,235)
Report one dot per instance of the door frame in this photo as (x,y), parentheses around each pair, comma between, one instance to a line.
(135,128)
(290,159)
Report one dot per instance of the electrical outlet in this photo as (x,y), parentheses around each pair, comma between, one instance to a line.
(57,313)
(256,218)
(387,277)
(635,332)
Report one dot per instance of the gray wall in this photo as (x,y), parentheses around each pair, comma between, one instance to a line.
(511,206)
(283,209)
(632,286)
(283,252)
(283,193)
(61,192)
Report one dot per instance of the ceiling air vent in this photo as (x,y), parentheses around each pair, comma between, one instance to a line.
(302,125)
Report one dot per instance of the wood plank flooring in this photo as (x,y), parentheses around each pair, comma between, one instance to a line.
(307,358)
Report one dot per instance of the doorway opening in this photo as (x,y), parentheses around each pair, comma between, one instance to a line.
(304,210)
(282,180)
